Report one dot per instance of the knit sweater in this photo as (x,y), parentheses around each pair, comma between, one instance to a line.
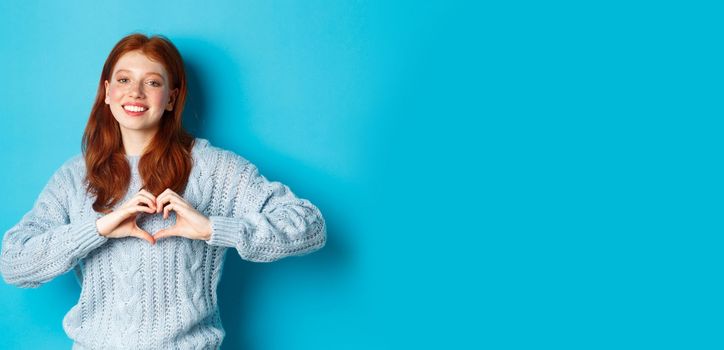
(135,295)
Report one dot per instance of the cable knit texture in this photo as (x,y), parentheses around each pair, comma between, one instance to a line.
(135,295)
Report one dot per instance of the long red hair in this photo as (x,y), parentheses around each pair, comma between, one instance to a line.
(167,160)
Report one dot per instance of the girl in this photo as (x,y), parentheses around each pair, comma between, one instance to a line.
(145,214)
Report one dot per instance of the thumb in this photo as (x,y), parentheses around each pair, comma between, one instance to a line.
(169,232)
(140,233)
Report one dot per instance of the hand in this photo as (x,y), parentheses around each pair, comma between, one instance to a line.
(189,222)
(122,222)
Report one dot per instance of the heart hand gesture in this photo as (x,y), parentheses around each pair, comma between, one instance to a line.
(122,222)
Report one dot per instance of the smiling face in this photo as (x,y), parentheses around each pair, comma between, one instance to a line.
(139,93)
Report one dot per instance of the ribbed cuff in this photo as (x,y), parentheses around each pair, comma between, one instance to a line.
(87,237)
(225,231)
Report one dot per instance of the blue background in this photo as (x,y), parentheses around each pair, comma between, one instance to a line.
(536,175)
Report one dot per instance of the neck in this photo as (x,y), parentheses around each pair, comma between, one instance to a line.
(135,142)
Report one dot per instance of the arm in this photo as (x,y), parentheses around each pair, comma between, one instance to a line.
(268,221)
(45,244)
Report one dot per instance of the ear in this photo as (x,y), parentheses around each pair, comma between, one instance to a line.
(108,98)
(172,99)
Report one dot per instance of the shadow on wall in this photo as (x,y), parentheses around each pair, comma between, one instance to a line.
(196,97)
(236,291)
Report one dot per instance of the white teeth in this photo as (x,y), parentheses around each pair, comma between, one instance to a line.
(134,108)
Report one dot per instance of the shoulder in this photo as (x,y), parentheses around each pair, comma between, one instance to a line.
(72,168)
(75,162)
(67,178)
(219,160)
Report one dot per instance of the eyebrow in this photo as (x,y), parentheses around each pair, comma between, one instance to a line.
(149,73)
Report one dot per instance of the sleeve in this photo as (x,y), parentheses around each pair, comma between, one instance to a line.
(45,244)
(268,221)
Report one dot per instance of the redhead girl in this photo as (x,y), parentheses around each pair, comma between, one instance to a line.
(146,212)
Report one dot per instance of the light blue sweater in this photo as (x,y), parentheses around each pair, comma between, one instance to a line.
(135,295)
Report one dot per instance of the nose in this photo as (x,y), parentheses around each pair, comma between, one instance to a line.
(136,90)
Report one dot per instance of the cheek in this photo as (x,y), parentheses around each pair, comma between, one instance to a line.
(158,98)
(115,94)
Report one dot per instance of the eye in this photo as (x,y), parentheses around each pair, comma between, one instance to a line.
(154,83)
(122,80)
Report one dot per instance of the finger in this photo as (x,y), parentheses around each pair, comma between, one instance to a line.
(169,198)
(167,191)
(160,201)
(144,209)
(139,233)
(145,194)
(177,205)
(145,200)
(169,232)
(139,198)
(164,198)
(167,210)
(138,208)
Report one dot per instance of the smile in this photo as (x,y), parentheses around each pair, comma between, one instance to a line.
(135,108)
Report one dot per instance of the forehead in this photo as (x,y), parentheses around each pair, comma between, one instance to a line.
(136,62)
